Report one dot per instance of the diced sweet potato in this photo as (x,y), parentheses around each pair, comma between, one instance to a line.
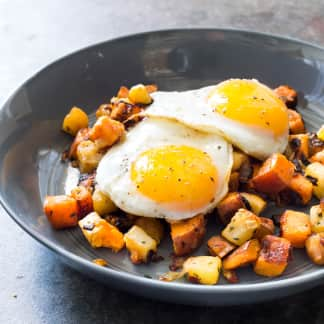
(299,144)
(84,200)
(242,227)
(273,257)
(203,270)
(298,192)
(75,120)
(236,200)
(106,131)
(82,135)
(139,244)
(296,123)
(234,181)
(318,157)
(100,233)
(243,255)
(274,175)
(61,211)
(295,227)
(288,95)
(218,246)
(317,219)
(315,248)
(266,227)
(229,205)
(152,227)
(187,235)
(315,173)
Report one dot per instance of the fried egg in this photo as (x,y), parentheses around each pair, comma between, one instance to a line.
(164,169)
(245,112)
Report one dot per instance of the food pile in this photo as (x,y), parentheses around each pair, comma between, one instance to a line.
(157,164)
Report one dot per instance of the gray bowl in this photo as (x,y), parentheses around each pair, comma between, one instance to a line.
(31,142)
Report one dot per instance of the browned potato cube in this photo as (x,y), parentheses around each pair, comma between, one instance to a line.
(295,227)
(152,227)
(139,244)
(317,219)
(266,227)
(243,255)
(242,227)
(229,205)
(274,175)
(273,257)
(204,270)
(218,246)
(315,248)
(187,235)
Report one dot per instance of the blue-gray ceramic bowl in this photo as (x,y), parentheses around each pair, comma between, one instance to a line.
(31,141)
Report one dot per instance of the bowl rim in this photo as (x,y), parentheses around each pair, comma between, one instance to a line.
(126,277)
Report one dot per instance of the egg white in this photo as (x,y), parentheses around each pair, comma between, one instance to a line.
(193,109)
(113,173)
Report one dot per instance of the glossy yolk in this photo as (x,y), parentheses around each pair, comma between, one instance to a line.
(182,178)
(250,103)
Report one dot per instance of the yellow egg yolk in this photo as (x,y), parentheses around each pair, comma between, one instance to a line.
(181,178)
(250,103)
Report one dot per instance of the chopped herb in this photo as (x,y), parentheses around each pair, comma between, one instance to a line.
(147,276)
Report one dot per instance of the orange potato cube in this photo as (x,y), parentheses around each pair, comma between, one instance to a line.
(273,257)
(75,120)
(100,233)
(266,228)
(218,246)
(187,235)
(288,95)
(123,92)
(295,227)
(229,205)
(296,123)
(106,131)
(243,255)
(300,145)
(299,191)
(61,211)
(274,175)
(84,200)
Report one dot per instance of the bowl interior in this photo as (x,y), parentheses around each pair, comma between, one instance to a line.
(31,142)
